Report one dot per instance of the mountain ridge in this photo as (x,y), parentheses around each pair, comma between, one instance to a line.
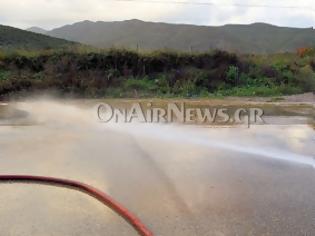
(37,30)
(252,38)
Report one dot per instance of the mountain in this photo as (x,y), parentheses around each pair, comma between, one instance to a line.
(37,30)
(253,38)
(21,39)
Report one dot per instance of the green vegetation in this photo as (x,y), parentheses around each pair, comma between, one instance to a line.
(87,72)
(4,74)
(13,38)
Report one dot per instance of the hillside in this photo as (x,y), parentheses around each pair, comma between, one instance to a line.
(254,38)
(21,39)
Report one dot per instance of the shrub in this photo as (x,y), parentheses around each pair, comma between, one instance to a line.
(306,78)
(232,75)
(188,89)
(269,71)
(2,55)
(4,75)
(163,83)
(38,76)
(121,73)
(302,52)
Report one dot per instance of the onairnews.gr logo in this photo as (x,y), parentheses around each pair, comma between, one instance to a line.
(179,113)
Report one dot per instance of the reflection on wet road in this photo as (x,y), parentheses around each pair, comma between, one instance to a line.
(178,180)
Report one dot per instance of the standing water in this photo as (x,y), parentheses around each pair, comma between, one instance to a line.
(179,179)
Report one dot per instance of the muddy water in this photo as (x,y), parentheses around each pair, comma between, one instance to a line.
(180,180)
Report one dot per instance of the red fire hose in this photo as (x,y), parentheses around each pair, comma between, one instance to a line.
(99,195)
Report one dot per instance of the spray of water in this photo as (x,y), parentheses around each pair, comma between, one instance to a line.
(211,138)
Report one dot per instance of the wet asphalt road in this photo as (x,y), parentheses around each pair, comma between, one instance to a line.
(176,185)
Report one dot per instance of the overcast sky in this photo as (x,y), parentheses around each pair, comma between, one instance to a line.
(49,14)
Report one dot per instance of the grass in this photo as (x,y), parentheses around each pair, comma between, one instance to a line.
(258,91)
